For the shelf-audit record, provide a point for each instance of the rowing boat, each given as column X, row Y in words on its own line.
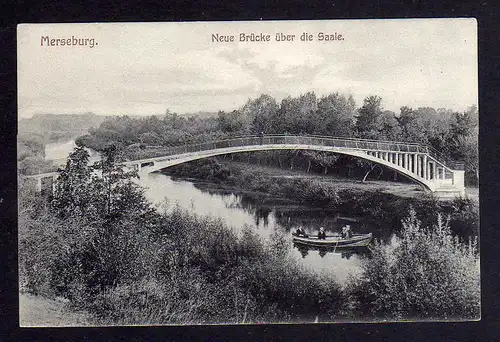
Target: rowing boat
column 357, row 240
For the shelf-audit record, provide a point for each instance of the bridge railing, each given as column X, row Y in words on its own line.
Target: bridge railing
column 351, row 143
column 362, row 144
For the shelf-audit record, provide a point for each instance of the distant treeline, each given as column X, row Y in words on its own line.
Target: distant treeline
column 453, row 133
column 54, row 127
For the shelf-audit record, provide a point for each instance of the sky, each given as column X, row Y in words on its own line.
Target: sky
column 147, row 68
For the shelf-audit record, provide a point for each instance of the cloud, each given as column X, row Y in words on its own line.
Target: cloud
column 159, row 66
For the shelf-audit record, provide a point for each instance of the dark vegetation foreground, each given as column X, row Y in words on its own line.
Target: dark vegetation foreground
column 98, row 243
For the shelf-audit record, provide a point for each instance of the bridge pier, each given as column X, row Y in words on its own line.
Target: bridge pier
column 38, row 185
column 426, row 167
column 418, row 166
column 54, row 178
column 39, row 180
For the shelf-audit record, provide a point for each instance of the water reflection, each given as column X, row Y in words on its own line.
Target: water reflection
column 345, row 253
column 288, row 214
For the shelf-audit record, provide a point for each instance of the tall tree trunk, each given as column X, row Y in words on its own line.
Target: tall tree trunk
column 380, row 174
column 325, row 171
column 309, row 166
column 367, row 173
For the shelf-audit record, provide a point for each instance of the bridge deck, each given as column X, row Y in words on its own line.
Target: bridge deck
column 420, row 162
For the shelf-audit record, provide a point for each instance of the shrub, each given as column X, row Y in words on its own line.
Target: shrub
column 425, row 274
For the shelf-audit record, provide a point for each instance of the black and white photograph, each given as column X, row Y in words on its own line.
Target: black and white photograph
column 251, row 172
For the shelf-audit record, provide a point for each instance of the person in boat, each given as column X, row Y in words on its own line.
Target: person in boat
column 346, row 232
column 321, row 233
column 301, row 232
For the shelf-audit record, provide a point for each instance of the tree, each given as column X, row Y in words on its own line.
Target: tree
column 232, row 122
column 335, row 115
column 259, row 113
column 368, row 118
column 463, row 126
column 297, row 115
column 464, row 142
column 73, row 194
column 324, row 159
column 388, row 127
column 102, row 190
column 105, row 212
column 368, row 166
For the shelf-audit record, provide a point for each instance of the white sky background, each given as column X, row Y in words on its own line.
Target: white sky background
column 144, row 69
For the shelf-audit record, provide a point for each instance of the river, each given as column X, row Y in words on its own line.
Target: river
column 58, row 152
column 237, row 210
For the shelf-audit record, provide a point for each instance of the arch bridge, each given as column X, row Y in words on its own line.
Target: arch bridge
column 421, row 163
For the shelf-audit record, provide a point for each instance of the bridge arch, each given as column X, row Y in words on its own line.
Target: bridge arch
column 419, row 163
column 188, row 157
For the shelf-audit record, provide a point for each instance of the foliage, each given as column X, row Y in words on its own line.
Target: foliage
column 335, row 115
column 383, row 209
column 260, row 114
column 426, row 273
column 368, row 119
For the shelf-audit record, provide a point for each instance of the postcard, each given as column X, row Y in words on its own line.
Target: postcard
column 249, row 172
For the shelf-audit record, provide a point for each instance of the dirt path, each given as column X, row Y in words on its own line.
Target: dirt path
column 35, row 311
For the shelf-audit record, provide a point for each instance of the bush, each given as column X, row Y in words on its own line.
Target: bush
column 425, row 274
